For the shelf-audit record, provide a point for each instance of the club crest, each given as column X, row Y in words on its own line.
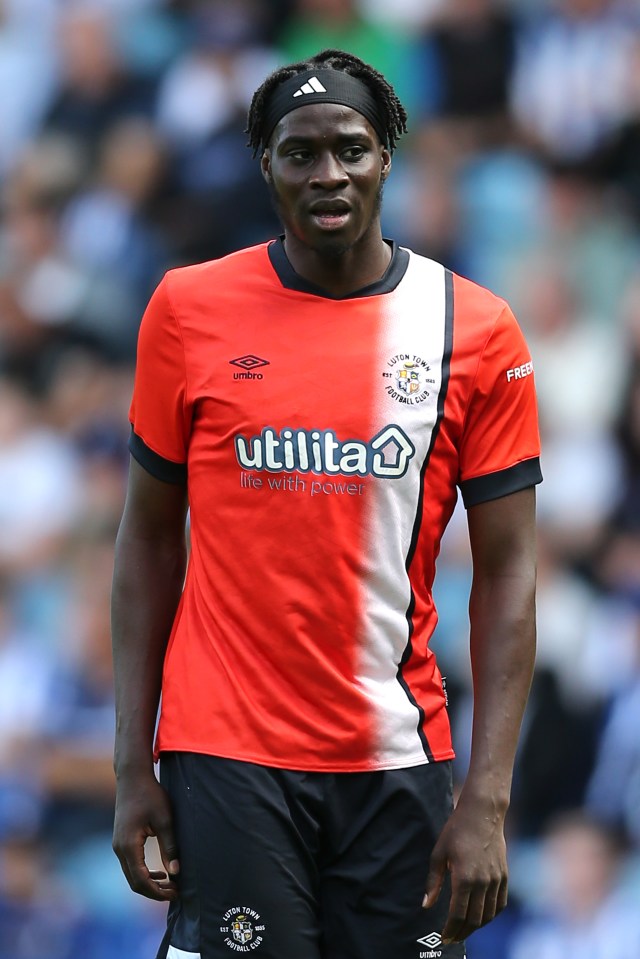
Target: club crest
column 241, row 929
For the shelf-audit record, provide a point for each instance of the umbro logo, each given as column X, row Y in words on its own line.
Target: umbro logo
column 248, row 363
column 312, row 85
column 432, row 940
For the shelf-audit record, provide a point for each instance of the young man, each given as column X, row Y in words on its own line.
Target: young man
column 316, row 401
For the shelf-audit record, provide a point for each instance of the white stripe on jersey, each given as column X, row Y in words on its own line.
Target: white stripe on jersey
column 181, row 954
column 414, row 326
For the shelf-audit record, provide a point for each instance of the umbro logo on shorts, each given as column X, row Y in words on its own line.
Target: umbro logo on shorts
column 312, row 85
column 432, row 940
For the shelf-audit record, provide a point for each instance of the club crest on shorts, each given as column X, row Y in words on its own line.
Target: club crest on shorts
column 242, row 929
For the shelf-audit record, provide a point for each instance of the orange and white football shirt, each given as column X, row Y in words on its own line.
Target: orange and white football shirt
column 322, row 440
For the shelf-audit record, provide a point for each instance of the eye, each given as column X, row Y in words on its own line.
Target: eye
column 354, row 153
column 300, row 155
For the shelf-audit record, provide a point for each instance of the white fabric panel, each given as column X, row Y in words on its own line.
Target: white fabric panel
column 414, row 324
column 181, row 954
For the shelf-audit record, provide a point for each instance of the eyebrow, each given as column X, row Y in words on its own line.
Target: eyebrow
column 361, row 134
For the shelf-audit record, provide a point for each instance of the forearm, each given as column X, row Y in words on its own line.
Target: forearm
column 502, row 614
column 148, row 580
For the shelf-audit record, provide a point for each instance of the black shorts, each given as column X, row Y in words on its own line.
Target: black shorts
column 298, row 865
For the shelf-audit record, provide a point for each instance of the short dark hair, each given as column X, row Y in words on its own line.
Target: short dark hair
column 392, row 111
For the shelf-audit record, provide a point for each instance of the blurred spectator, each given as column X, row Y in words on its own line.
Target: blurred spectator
column 87, row 403
column 107, row 227
column 47, row 298
column 122, row 153
column 616, row 565
column 213, row 81
column 96, row 89
column 545, row 782
column 201, row 110
column 406, row 14
column 571, row 349
column 474, row 48
column 585, row 909
column 77, row 770
column 424, row 208
column 614, row 790
column 27, row 675
column 593, row 237
column 319, row 24
column 36, row 917
column 46, row 915
column 40, row 488
column 27, row 71
column 621, row 163
column 567, row 98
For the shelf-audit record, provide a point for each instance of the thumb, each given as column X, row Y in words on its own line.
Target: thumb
column 435, row 879
column 168, row 848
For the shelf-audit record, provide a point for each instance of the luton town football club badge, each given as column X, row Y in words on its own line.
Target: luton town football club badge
column 242, row 929
column 410, row 378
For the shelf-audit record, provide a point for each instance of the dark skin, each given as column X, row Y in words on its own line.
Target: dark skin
column 149, row 572
column 502, row 616
column 328, row 159
column 325, row 165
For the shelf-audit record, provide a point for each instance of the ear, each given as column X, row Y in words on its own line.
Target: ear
column 385, row 159
column 265, row 165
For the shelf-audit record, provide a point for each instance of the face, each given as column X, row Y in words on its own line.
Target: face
column 325, row 167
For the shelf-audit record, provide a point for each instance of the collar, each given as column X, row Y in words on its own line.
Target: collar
column 293, row 281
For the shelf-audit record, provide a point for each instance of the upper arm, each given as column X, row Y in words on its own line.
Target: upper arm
column 502, row 535
column 154, row 509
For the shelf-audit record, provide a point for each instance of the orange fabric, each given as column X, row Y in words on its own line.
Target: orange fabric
column 302, row 638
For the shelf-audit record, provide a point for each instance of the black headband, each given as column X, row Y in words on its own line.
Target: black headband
column 323, row 85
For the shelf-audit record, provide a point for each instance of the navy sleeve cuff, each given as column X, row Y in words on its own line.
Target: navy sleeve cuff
column 163, row 469
column 481, row 489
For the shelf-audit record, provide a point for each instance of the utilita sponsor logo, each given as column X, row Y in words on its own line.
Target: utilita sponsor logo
column 387, row 455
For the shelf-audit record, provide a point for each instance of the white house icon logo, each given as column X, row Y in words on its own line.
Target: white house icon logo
column 432, row 940
column 313, row 85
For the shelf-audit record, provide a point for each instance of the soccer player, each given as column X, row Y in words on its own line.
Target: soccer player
column 316, row 401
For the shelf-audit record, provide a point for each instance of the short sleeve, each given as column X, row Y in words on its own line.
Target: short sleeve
column 500, row 444
column 160, row 414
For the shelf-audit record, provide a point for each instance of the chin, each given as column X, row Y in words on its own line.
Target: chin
column 332, row 247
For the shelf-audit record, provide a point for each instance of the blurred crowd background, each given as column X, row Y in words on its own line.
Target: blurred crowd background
column 122, row 154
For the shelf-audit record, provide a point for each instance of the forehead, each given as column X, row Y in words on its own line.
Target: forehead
column 320, row 120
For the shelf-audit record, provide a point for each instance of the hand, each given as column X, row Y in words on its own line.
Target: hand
column 472, row 847
column 142, row 810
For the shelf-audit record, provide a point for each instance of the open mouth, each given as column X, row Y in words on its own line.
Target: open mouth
column 330, row 217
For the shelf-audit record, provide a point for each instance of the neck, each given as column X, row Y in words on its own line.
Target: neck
column 340, row 271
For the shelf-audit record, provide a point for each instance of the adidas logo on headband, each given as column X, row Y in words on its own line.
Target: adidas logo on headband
column 335, row 86
column 313, row 85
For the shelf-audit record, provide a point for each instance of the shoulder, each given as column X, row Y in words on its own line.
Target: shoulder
column 476, row 305
column 200, row 277
column 473, row 307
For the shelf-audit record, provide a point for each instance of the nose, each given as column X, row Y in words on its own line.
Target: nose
column 328, row 172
